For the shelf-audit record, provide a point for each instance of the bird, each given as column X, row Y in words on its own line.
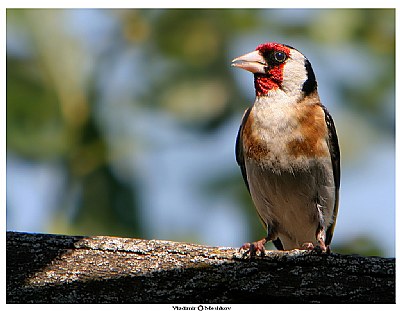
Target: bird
column 288, row 152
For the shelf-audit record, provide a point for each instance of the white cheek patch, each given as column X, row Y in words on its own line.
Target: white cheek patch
column 294, row 74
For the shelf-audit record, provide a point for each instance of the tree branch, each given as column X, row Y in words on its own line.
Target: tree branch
column 43, row 268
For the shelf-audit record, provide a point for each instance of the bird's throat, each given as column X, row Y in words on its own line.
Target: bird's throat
column 272, row 80
column 264, row 84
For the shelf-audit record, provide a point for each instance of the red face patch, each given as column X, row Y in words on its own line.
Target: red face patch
column 273, row 77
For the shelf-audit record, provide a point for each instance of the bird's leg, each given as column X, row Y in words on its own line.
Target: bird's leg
column 321, row 240
column 253, row 248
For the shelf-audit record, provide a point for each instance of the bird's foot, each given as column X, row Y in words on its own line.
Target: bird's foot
column 252, row 249
column 319, row 248
column 308, row 246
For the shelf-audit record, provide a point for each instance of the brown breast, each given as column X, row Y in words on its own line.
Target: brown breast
column 309, row 136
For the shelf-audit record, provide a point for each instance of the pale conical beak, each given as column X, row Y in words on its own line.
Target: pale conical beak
column 253, row 62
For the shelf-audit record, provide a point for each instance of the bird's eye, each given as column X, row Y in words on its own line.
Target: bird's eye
column 279, row 56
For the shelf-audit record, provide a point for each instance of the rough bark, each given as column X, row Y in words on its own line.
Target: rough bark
column 43, row 268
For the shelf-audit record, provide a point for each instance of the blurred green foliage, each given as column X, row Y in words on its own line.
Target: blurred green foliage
column 360, row 245
column 54, row 78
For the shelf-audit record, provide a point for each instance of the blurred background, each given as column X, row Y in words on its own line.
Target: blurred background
column 123, row 122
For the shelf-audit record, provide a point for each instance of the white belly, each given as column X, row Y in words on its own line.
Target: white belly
column 294, row 203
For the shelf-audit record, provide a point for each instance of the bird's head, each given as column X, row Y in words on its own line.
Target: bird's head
column 278, row 68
